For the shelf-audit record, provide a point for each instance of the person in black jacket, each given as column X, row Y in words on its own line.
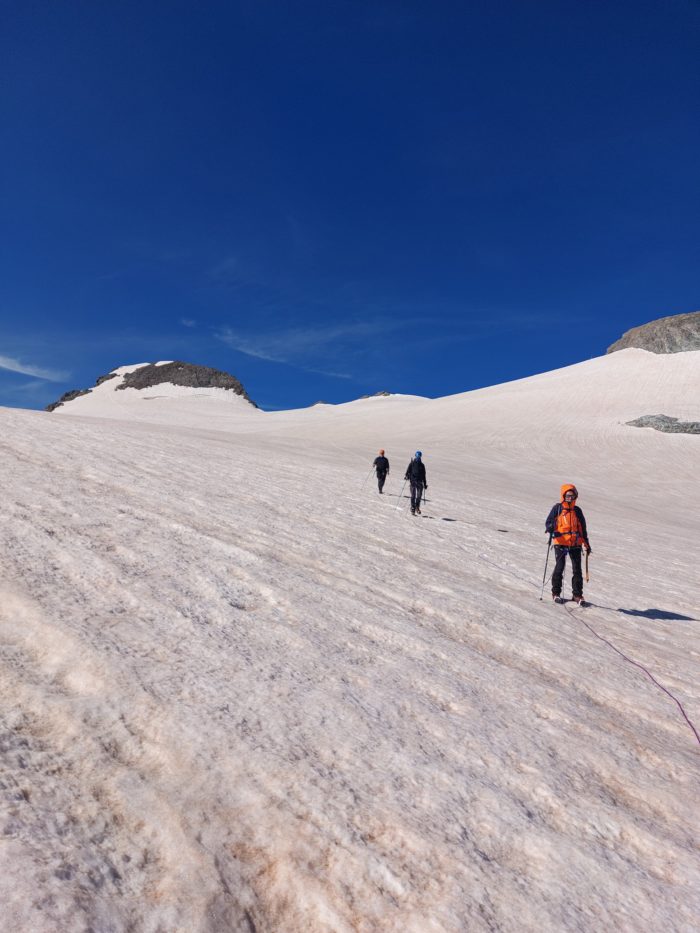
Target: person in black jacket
column 415, row 474
column 381, row 466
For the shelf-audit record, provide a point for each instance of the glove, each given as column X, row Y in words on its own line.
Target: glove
column 426, row 485
column 588, row 550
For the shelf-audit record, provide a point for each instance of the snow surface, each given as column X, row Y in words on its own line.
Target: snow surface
column 239, row 690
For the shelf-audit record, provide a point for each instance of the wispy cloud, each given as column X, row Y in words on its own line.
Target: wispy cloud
column 326, row 372
column 300, row 346
column 286, row 346
column 28, row 369
column 35, row 385
column 188, row 322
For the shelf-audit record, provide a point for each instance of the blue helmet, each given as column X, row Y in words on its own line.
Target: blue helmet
column 419, row 454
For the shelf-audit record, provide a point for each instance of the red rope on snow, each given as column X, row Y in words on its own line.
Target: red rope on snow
column 642, row 668
column 605, row 640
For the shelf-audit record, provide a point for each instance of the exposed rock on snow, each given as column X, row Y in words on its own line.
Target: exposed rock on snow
column 667, row 424
column 150, row 375
column 76, row 393
column 182, row 374
column 67, row 397
column 169, row 392
column 675, row 334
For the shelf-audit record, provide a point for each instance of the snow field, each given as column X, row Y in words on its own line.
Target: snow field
column 241, row 692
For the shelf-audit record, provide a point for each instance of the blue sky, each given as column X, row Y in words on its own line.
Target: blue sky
column 328, row 199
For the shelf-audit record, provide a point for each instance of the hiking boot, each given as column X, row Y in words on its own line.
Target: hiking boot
column 579, row 600
column 413, row 511
column 557, row 598
column 419, row 511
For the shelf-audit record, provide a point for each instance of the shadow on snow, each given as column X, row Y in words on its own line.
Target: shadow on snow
column 656, row 614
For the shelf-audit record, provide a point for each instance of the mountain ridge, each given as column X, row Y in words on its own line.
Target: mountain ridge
column 677, row 333
column 171, row 372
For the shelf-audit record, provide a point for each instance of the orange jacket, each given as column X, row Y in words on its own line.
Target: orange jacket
column 566, row 521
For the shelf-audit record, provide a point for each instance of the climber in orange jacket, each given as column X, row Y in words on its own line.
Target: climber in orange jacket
column 567, row 526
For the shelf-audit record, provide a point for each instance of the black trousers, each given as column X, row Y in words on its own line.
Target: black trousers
column 577, row 576
column 381, row 479
column 416, row 493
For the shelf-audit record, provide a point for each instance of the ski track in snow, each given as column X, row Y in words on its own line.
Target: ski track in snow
column 240, row 692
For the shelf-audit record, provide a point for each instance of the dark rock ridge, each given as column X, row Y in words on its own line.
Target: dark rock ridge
column 67, row 397
column 667, row 424
column 76, row 393
column 101, row 379
column 176, row 373
column 674, row 334
column 381, row 394
column 183, row 374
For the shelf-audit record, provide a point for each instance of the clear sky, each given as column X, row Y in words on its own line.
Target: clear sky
column 330, row 198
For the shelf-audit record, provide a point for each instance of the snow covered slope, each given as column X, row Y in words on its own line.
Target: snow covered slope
column 161, row 402
column 239, row 690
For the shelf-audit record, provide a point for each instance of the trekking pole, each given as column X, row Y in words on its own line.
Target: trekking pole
column 401, row 495
column 544, row 575
column 368, row 476
column 587, row 576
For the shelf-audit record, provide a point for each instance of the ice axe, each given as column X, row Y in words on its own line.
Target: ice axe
column 398, row 507
column 544, row 575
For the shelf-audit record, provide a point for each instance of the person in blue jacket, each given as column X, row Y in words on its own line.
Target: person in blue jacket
column 415, row 474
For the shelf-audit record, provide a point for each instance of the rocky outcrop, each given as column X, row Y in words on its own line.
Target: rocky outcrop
column 183, row 374
column 76, row 393
column 175, row 373
column 67, row 397
column 674, row 334
column 383, row 394
column 101, row 379
column 667, row 424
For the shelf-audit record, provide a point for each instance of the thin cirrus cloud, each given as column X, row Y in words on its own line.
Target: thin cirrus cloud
column 298, row 346
column 27, row 391
column 27, row 369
